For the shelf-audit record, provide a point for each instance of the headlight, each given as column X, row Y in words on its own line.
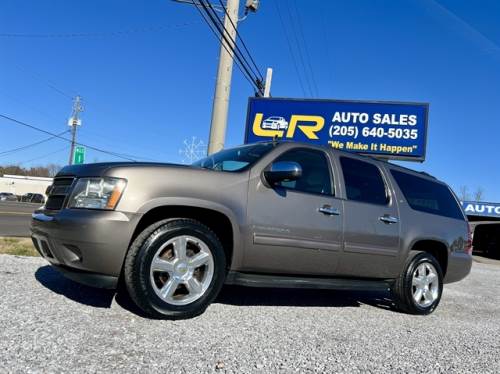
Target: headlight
column 97, row 193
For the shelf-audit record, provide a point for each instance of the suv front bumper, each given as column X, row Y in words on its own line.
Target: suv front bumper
column 88, row 246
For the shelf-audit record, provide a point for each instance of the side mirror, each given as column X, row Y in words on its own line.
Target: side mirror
column 282, row 171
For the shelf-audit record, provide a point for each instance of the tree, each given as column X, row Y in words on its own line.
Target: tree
column 53, row 169
column 464, row 193
column 479, row 194
column 35, row 171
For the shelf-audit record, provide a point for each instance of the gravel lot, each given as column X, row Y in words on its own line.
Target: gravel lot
column 50, row 324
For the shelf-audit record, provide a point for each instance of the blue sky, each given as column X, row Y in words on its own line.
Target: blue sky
column 146, row 91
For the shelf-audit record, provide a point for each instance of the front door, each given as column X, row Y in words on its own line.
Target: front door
column 295, row 227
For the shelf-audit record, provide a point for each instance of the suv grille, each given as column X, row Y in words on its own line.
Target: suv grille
column 57, row 193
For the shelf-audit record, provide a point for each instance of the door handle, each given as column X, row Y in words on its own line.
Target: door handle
column 328, row 210
column 386, row 218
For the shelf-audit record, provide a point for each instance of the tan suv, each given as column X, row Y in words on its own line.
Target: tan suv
column 265, row 215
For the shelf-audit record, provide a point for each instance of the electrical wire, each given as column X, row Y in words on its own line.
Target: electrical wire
column 98, row 34
column 47, row 82
column 14, row 150
column 217, row 22
column 328, row 52
column 43, row 156
column 307, row 54
column 68, row 140
column 219, row 38
column 238, row 35
column 294, row 60
column 299, row 49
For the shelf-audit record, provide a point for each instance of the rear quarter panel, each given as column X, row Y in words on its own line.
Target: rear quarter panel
column 417, row 226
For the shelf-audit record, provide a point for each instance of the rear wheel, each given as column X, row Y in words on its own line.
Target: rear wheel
column 175, row 268
column 419, row 288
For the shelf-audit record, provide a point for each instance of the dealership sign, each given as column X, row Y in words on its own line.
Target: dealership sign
column 475, row 208
column 386, row 129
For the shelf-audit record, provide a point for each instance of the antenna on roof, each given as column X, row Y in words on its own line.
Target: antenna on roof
column 275, row 140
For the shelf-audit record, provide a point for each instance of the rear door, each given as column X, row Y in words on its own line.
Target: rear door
column 296, row 227
column 371, row 221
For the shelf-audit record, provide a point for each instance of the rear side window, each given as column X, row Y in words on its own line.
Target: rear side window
column 427, row 196
column 363, row 182
column 315, row 171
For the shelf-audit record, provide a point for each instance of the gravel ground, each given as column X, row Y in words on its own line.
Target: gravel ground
column 50, row 324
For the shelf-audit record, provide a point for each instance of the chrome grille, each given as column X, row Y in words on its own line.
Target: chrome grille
column 58, row 192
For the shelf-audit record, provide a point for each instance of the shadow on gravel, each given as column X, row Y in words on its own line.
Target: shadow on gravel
column 235, row 295
column 56, row 282
column 230, row 295
column 95, row 297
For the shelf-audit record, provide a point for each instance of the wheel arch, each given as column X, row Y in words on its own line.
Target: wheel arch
column 436, row 248
column 220, row 220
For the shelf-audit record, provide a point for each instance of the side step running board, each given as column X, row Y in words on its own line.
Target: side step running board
column 280, row 281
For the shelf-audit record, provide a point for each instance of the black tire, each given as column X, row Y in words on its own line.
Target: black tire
column 403, row 288
column 139, row 259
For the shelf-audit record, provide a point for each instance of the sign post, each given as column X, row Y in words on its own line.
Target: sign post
column 390, row 130
column 79, row 155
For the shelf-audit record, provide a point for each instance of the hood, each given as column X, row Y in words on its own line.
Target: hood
column 99, row 169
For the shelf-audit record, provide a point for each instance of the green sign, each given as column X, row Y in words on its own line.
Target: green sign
column 79, row 155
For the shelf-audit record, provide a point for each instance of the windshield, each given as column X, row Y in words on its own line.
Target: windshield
column 235, row 159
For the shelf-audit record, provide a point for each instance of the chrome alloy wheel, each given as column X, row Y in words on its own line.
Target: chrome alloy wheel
column 425, row 285
column 181, row 270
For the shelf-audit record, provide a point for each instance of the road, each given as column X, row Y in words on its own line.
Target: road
column 50, row 324
column 15, row 218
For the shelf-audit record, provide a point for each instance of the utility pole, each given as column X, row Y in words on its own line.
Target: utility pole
column 220, row 106
column 73, row 122
column 223, row 84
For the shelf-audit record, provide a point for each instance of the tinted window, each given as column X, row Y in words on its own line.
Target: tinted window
column 315, row 171
column 363, row 181
column 235, row 159
column 427, row 196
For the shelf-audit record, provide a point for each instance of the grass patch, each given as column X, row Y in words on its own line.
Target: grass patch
column 17, row 246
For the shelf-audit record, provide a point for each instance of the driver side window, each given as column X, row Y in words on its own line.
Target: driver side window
column 315, row 171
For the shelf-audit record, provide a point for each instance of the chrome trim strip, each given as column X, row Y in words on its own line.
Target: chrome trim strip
column 296, row 243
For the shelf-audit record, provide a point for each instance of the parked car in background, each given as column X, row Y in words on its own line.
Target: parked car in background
column 26, row 197
column 274, row 214
column 37, row 198
column 33, row 198
column 7, row 196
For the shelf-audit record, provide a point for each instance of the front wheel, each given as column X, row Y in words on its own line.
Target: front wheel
column 419, row 288
column 175, row 268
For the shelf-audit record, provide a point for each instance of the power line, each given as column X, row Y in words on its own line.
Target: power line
column 308, row 56
column 295, row 65
column 47, row 82
column 98, row 34
column 328, row 53
column 13, row 150
column 219, row 38
column 241, row 39
column 43, row 156
column 68, row 140
column 215, row 32
column 217, row 22
column 299, row 49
